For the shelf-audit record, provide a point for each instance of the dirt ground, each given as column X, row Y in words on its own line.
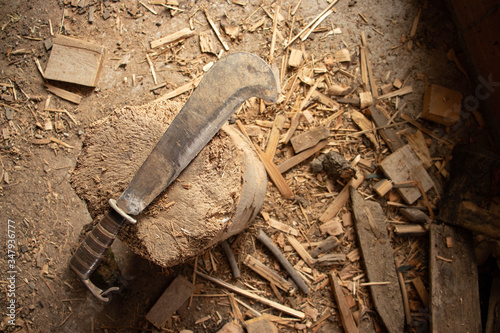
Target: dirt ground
column 36, row 195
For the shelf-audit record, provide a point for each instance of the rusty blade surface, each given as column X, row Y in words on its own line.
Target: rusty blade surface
column 232, row 80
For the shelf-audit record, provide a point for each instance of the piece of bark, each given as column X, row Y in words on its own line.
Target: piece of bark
column 309, row 138
column 261, row 236
column 74, row 61
column 277, row 306
column 379, row 262
column 454, row 281
column 171, row 300
column 326, row 245
column 207, row 43
column 336, row 90
column 345, row 313
column 403, row 165
column 299, row 158
column 389, row 135
column 335, row 166
column 174, row 37
column 267, row 273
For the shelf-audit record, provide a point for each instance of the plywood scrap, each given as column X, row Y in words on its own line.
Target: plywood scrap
column 246, row 293
column 74, row 61
column 64, row 94
column 174, row 37
column 345, row 312
column 402, row 166
column 441, row 105
column 379, row 262
column 454, row 283
column 267, row 273
column 309, row 138
column 170, row 301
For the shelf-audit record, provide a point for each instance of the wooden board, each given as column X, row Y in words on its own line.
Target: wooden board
column 403, row 165
column 454, row 286
column 74, row 61
column 389, row 135
column 379, row 261
column 170, row 301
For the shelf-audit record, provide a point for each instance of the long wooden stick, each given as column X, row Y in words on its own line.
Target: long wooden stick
column 261, row 236
column 248, row 294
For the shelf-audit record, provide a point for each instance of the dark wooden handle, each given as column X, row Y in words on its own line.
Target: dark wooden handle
column 95, row 245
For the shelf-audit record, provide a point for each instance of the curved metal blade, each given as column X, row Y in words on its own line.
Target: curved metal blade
column 232, row 80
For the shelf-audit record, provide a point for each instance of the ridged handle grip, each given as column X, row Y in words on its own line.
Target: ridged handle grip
column 93, row 249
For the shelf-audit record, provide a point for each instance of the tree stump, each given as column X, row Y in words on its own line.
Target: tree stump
column 215, row 197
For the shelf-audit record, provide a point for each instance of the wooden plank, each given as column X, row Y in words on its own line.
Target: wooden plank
column 345, row 313
column 309, row 138
column 277, row 306
column 67, row 95
column 178, row 35
column 379, row 262
column 74, row 61
column 171, row 300
column 402, row 166
column 336, row 205
column 267, row 273
column 454, row 286
column 389, row 135
column 299, row 158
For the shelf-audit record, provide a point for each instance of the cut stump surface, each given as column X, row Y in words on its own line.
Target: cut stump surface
column 215, row 197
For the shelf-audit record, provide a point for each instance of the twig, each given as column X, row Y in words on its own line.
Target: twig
column 232, row 260
column 261, row 236
column 217, row 33
column 275, row 30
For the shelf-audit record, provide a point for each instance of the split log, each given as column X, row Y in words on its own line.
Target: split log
column 379, row 261
column 215, row 197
